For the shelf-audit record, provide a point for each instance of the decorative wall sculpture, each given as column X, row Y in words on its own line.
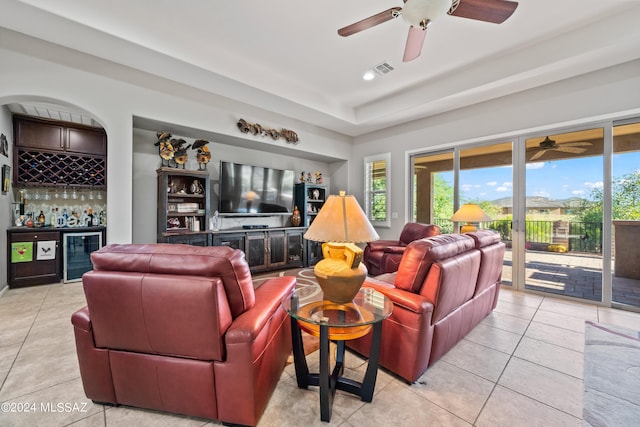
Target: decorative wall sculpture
column 256, row 129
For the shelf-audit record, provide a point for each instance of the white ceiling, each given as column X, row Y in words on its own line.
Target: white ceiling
column 286, row 55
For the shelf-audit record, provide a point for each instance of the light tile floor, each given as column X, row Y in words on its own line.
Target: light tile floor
column 521, row 366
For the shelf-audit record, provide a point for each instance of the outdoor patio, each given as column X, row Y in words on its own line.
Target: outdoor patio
column 571, row 275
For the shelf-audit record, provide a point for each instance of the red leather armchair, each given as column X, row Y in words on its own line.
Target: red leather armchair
column 445, row 285
column 179, row 328
column 383, row 256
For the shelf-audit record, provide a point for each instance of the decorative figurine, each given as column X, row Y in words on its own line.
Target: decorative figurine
column 165, row 148
column 316, row 194
column 180, row 155
column 309, row 179
column 196, row 187
column 302, row 176
column 214, row 222
column 203, row 156
column 318, row 177
column 296, row 219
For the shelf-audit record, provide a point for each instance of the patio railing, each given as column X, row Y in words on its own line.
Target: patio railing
column 562, row 236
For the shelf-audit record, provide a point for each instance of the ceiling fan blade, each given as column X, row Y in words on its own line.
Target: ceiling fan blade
column 495, row 11
column 415, row 40
column 537, row 155
column 564, row 148
column 369, row 22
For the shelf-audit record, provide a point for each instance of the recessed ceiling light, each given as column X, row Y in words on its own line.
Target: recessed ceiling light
column 368, row 75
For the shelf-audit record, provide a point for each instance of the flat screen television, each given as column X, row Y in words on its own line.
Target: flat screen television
column 255, row 190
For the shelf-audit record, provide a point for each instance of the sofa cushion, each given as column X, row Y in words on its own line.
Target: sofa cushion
column 484, row 238
column 421, row 254
column 212, row 261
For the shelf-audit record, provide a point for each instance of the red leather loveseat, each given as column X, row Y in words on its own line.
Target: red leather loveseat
column 179, row 328
column 445, row 285
column 383, row 256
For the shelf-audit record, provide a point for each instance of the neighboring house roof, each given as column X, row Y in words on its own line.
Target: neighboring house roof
column 541, row 202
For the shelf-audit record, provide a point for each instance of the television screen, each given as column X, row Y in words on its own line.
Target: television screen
column 253, row 190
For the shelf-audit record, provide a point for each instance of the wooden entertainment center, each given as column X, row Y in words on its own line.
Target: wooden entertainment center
column 183, row 217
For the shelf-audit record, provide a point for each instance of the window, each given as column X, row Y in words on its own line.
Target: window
column 376, row 179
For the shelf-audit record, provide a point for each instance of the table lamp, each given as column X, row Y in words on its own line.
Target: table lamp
column 340, row 223
column 469, row 213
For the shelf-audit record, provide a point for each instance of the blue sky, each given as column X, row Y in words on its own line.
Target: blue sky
column 559, row 179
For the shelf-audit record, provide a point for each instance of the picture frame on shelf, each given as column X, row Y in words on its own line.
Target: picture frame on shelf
column 4, row 145
column 6, row 178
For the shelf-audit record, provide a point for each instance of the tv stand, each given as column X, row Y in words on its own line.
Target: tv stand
column 265, row 249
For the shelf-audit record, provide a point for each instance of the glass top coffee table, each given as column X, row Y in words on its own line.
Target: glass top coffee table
column 331, row 321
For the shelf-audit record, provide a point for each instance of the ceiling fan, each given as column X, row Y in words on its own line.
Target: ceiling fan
column 420, row 13
column 550, row 145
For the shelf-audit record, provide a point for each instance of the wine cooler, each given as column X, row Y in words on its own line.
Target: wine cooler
column 77, row 248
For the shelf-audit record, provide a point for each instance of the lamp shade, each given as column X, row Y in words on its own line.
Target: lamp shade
column 470, row 213
column 341, row 220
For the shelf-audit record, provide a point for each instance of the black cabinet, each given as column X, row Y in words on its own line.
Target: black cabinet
column 194, row 239
column 33, row 257
column 235, row 241
column 310, row 198
column 295, row 248
column 266, row 249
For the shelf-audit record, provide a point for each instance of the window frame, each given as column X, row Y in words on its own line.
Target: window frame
column 368, row 192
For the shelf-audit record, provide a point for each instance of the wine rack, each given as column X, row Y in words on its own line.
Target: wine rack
column 38, row 167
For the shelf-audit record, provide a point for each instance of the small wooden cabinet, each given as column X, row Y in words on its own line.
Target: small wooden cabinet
column 183, row 206
column 26, row 267
column 310, row 198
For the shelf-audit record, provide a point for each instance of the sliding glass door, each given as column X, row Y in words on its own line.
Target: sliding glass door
column 433, row 186
column 563, row 214
column 625, row 210
column 567, row 204
column 486, row 179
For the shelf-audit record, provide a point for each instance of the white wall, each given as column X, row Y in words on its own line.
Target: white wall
column 35, row 70
column 609, row 93
column 6, row 214
column 146, row 160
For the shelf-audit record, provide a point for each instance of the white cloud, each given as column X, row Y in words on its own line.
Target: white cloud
column 592, row 185
column 492, row 184
column 535, row 165
column 541, row 193
column 502, row 189
column 507, row 184
column 578, row 193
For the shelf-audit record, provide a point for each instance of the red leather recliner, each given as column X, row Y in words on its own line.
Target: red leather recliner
column 445, row 285
column 383, row 256
column 179, row 328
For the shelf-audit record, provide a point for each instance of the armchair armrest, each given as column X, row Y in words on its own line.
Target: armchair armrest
column 395, row 249
column 246, row 327
column 401, row 298
column 81, row 320
column 379, row 245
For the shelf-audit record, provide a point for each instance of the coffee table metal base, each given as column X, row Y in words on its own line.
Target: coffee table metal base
column 330, row 382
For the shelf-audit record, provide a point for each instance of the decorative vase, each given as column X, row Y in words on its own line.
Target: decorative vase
column 296, row 219
column 340, row 273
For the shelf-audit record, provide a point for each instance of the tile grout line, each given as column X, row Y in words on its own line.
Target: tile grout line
column 511, row 356
column 25, row 339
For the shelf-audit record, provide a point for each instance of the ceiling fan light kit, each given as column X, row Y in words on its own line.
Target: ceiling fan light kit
column 423, row 12
column 420, row 13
